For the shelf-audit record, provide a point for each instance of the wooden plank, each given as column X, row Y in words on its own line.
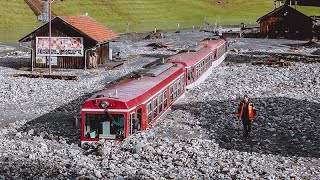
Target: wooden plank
column 61, row 77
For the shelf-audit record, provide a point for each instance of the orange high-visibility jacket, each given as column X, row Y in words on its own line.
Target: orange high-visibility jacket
column 251, row 108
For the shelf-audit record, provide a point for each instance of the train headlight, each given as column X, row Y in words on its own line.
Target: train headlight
column 104, row 104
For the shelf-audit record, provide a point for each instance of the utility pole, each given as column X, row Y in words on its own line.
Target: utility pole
column 50, row 36
column 220, row 2
column 220, row 26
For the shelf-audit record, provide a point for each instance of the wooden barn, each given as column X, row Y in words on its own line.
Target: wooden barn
column 77, row 42
column 286, row 22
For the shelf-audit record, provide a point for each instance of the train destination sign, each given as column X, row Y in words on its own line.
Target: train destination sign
column 60, row 46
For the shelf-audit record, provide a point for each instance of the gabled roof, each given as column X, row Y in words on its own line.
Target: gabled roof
column 315, row 3
column 84, row 25
column 281, row 9
column 90, row 27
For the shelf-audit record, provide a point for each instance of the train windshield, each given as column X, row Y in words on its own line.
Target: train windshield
column 109, row 126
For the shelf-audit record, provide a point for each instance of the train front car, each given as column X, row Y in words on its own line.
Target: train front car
column 199, row 60
column 126, row 108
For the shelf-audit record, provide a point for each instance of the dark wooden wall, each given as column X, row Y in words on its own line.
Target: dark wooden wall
column 289, row 25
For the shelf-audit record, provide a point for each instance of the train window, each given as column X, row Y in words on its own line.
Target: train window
column 155, row 108
column 197, row 71
column 104, row 126
column 209, row 61
column 175, row 89
column 182, row 83
column 171, row 93
column 179, row 86
column 202, row 67
column 132, row 123
column 220, row 51
column 139, row 119
column 160, row 100
column 165, row 99
column 149, row 112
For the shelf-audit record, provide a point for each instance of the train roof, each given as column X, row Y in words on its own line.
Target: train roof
column 212, row 42
column 136, row 89
column 194, row 54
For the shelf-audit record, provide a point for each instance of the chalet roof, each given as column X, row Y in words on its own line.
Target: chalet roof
column 90, row 27
column 85, row 25
column 281, row 10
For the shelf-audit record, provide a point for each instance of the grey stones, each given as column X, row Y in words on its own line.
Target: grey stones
column 199, row 139
column 271, row 129
column 97, row 173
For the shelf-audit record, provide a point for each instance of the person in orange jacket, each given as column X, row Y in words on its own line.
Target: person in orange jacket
column 246, row 113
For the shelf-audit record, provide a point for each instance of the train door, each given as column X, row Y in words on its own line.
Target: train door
column 190, row 76
column 135, row 119
column 215, row 57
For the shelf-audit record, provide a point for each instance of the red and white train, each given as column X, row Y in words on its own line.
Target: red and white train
column 132, row 106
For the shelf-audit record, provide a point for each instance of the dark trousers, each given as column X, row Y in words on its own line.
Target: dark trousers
column 246, row 127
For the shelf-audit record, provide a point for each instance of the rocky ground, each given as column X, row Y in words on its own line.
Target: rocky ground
column 199, row 139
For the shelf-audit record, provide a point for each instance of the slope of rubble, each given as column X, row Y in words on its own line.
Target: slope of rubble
column 200, row 138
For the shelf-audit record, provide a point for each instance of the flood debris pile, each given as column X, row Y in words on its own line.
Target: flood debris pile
column 316, row 52
column 159, row 45
column 61, row 77
column 199, row 139
column 157, row 34
column 274, row 63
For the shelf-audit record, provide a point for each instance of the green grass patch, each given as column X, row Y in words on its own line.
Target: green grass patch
column 16, row 13
column 146, row 14
column 17, row 19
column 25, row 69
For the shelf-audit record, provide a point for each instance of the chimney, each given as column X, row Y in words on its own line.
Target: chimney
column 290, row 3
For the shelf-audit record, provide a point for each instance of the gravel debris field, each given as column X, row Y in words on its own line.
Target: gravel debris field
column 200, row 138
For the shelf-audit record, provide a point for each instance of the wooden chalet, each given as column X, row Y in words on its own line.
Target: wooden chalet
column 286, row 22
column 78, row 42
